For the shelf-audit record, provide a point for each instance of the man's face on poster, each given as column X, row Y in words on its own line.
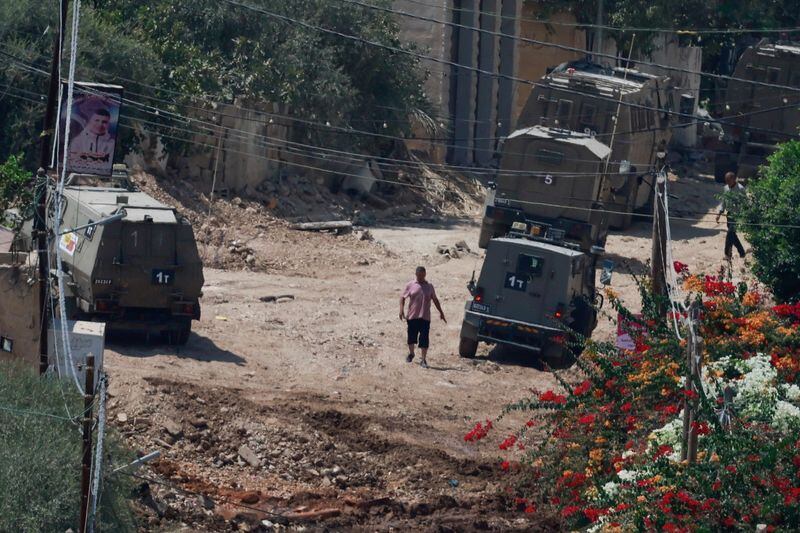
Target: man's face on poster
column 98, row 124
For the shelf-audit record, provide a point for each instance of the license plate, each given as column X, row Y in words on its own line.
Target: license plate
column 479, row 307
column 162, row 276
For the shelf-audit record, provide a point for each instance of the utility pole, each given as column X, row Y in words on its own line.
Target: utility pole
column 86, row 460
column 659, row 251
column 694, row 354
column 39, row 234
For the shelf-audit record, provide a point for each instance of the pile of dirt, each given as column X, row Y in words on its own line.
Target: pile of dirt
column 252, row 231
column 231, row 464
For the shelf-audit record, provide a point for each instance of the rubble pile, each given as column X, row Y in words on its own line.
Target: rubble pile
column 454, row 252
column 291, row 464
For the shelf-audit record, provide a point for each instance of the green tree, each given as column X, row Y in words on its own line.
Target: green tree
column 210, row 48
column 187, row 53
column 15, row 191
column 687, row 14
column 772, row 222
column 26, row 43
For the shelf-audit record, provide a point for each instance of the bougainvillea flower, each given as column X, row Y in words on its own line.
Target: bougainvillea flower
column 551, row 396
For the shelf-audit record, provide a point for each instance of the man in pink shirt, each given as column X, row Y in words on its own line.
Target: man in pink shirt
column 420, row 294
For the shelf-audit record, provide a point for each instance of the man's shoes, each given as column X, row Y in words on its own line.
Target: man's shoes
column 423, row 364
column 409, row 357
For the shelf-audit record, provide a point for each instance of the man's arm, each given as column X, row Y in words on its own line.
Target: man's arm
column 402, row 307
column 438, row 307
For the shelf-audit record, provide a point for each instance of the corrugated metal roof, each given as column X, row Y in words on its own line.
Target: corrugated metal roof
column 569, row 137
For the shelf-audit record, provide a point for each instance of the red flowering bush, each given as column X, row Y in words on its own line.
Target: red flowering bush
column 611, row 456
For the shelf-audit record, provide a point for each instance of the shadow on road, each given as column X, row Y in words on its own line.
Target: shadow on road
column 445, row 368
column 198, row 348
column 508, row 355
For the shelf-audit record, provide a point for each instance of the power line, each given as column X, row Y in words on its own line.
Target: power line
column 310, row 26
column 687, row 31
column 542, row 204
column 433, row 141
column 27, row 412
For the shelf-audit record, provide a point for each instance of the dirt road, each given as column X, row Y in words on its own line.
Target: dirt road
column 316, row 388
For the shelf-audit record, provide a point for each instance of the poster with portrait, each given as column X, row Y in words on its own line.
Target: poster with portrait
column 94, row 125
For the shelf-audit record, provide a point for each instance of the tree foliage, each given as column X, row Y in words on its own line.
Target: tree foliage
column 189, row 53
column 15, row 191
column 688, row 14
column 773, row 222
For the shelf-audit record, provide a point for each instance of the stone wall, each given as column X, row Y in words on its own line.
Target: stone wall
column 248, row 148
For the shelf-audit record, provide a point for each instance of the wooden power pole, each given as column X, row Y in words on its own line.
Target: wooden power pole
column 659, row 251
column 86, row 459
column 39, row 234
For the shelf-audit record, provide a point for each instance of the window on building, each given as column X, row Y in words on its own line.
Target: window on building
column 773, row 74
column 550, row 157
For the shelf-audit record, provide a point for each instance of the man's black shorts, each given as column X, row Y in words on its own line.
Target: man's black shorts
column 419, row 328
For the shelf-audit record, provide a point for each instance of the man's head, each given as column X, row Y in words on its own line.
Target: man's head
column 730, row 179
column 98, row 124
column 420, row 272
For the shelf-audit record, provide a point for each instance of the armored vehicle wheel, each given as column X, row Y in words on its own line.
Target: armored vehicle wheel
column 183, row 335
column 467, row 347
column 180, row 335
column 558, row 356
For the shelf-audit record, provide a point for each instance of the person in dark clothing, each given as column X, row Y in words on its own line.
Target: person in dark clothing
column 731, row 238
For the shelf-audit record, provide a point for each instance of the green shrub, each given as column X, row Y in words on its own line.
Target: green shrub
column 773, row 201
column 40, row 459
column 15, row 191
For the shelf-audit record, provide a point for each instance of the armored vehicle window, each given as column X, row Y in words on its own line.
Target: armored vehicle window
column 549, row 156
column 773, row 74
column 564, row 112
column 758, row 73
column 529, row 265
column 587, row 116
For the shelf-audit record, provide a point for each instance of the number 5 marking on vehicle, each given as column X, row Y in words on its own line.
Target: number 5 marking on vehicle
column 548, row 180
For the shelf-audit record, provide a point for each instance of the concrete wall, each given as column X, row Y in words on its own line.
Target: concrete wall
column 19, row 308
column 668, row 51
column 434, row 39
column 248, row 148
column 533, row 59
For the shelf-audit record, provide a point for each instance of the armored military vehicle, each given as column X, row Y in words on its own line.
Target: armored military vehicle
column 586, row 97
column 538, row 278
column 756, row 118
column 542, row 170
column 138, row 269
